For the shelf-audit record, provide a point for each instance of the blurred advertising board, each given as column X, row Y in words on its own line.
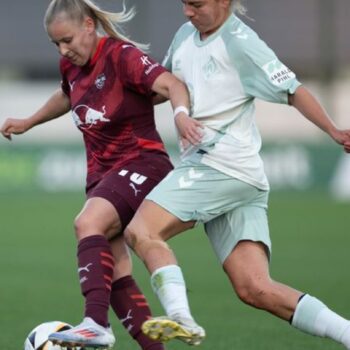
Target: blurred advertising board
column 289, row 167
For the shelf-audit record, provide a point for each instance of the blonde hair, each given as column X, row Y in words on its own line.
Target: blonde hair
column 238, row 7
column 78, row 10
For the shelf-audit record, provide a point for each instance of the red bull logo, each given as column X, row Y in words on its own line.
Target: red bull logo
column 86, row 117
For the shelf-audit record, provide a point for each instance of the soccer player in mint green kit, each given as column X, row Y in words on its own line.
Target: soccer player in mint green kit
column 221, row 180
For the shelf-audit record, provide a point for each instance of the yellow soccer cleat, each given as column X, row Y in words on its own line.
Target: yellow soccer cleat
column 166, row 328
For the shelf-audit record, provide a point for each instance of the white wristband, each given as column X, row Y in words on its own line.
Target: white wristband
column 180, row 109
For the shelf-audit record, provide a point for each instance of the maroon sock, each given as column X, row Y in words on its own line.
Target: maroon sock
column 96, row 266
column 131, row 307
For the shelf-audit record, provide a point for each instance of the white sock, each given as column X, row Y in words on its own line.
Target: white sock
column 314, row 317
column 169, row 285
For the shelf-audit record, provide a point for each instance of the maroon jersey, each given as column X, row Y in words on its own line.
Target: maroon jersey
column 111, row 102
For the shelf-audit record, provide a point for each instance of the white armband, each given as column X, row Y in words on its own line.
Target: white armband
column 180, row 109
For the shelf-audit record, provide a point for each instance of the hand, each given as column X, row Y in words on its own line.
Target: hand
column 342, row 137
column 347, row 146
column 14, row 126
column 190, row 129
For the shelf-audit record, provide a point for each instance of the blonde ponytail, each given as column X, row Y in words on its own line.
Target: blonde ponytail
column 238, row 7
column 79, row 9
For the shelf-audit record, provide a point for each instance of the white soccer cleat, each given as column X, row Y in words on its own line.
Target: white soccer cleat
column 176, row 327
column 86, row 334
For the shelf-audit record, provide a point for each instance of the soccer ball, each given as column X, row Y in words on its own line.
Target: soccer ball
column 38, row 338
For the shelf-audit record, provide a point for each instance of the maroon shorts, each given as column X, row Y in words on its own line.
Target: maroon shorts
column 126, row 187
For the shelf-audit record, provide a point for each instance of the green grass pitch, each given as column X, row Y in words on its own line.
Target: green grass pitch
column 311, row 242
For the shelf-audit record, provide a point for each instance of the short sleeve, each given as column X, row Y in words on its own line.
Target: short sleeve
column 262, row 74
column 138, row 71
column 180, row 36
column 167, row 61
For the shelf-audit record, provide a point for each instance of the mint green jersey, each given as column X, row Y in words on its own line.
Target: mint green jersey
column 224, row 74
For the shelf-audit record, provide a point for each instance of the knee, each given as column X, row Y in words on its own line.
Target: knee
column 133, row 237
column 141, row 240
column 253, row 293
column 82, row 225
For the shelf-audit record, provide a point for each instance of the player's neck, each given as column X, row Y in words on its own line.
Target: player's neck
column 204, row 35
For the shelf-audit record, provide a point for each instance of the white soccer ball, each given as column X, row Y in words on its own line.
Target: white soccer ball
column 38, row 338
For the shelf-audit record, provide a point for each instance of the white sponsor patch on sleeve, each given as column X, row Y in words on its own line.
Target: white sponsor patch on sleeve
column 277, row 72
column 151, row 67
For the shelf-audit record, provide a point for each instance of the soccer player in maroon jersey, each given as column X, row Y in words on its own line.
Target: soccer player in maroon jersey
column 108, row 84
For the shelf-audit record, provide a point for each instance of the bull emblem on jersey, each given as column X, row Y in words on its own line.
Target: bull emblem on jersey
column 86, row 117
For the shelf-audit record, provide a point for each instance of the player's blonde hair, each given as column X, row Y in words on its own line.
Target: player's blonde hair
column 78, row 10
column 238, row 7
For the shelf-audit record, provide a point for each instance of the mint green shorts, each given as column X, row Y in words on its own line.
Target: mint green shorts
column 231, row 210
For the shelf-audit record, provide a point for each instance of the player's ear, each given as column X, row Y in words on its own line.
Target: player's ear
column 89, row 24
column 226, row 3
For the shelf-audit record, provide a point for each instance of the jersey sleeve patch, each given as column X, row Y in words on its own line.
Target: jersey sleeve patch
column 277, row 72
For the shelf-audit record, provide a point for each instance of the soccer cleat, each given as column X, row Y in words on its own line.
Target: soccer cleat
column 86, row 334
column 176, row 327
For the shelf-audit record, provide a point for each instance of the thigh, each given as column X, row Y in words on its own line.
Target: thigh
column 153, row 221
column 247, row 264
column 98, row 216
column 245, row 223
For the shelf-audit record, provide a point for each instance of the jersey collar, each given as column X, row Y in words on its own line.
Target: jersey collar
column 199, row 42
column 100, row 45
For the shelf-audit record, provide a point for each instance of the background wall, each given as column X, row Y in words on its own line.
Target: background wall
column 312, row 35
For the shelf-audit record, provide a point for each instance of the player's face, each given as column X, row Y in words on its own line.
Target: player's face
column 76, row 41
column 206, row 15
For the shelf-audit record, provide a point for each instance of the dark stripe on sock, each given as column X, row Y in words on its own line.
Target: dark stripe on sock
column 291, row 318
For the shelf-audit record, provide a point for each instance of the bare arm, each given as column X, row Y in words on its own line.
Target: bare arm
column 57, row 105
column 168, row 86
column 308, row 106
column 158, row 99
